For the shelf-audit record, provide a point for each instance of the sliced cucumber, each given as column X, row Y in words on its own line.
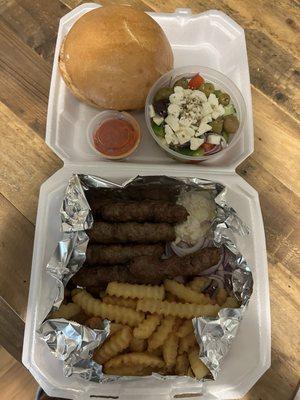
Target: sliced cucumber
column 188, row 152
column 229, row 110
column 158, row 129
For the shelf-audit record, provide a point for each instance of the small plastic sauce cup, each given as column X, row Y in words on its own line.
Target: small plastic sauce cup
column 113, row 134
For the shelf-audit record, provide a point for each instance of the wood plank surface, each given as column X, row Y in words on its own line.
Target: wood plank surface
column 16, row 383
column 27, row 39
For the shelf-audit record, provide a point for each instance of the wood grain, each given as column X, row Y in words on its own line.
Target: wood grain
column 35, row 25
column 16, row 383
column 24, row 80
column 26, row 162
column 27, row 39
column 16, row 240
column 12, row 338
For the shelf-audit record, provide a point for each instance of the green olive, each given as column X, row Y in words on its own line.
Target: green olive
column 163, row 93
column 207, row 88
column 217, row 125
column 224, row 99
column 217, row 93
column 225, row 136
column 231, row 124
column 183, row 82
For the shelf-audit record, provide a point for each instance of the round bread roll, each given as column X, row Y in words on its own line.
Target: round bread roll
column 113, row 55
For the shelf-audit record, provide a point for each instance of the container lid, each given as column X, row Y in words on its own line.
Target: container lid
column 210, row 39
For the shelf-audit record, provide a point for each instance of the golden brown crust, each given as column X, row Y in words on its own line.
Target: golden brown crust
column 113, row 55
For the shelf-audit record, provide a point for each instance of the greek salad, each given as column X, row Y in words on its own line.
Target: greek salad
column 193, row 117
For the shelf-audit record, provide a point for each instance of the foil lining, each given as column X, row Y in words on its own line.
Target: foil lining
column 74, row 343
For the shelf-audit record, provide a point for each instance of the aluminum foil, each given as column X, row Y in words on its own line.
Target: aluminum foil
column 74, row 343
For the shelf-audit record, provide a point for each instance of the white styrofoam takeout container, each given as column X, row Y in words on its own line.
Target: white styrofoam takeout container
column 219, row 42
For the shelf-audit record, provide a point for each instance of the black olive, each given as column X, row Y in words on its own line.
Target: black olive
column 161, row 107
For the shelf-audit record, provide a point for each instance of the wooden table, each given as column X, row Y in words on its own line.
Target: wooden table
column 27, row 39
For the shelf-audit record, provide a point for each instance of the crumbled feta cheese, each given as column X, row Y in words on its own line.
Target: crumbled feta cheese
column 218, row 111
column 174, row 109
column 196, row 143
column 213, row 100
column 184, row 121
column 157, row 119
column 169, row 130
column 151, row 111
column 197, row 94
column 202, row 129
column 206, row 109
column 182, row 137
column 214, row 139
column 206, row 119
column 179, row 90
column 189, row 131
column 170, row 136
column 173, row 122
column 175, row 98
column 221, row 109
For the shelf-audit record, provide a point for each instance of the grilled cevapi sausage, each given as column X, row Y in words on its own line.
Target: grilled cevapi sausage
column 145, row 211
column 103, row 232
column 148, row 269
column 120, row 254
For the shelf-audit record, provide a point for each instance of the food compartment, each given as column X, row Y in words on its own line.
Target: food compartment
column 249, row 355
column 218, row 41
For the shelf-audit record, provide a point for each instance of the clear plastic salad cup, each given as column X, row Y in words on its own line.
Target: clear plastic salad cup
column 220, row 82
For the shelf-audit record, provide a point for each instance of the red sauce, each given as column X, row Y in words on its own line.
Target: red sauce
column 115, row 138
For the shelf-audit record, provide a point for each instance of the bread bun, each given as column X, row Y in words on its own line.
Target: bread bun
column 113, row 55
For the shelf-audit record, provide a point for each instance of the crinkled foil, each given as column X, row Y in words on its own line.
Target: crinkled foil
column 74, row 343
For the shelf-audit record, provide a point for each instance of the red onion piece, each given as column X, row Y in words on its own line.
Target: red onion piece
column 184, row 251
column 210, row 270
column 219, row 280
column 216, row 149
column 180, row 279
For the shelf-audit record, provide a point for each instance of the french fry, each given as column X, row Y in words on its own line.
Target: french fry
column 221, row 296
column 114, row 327
column 170, row 350
column 186, row 328
column 190, row 373
column 145, row 329
column 182, row 364
column 230, row 302
column 157, row 352
column 119, row 301
column 135, row 291
column 178, row 323
column 185, row 293
column 162, row 332
column 66, row 311
column 180, row 310
column 138, row 345
column 97, row 308
column 114, row 345
column 130, row 370
column 170, row 297
column 135, row 359
column 94, row 323
column 198, row 283
column 199, row 368
column 187, row 342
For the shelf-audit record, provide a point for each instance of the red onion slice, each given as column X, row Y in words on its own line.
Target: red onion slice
column 216, row 149
column 184, row 251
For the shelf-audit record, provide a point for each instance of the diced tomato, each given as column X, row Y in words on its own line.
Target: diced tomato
column 207, row 147
column 195, row 82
